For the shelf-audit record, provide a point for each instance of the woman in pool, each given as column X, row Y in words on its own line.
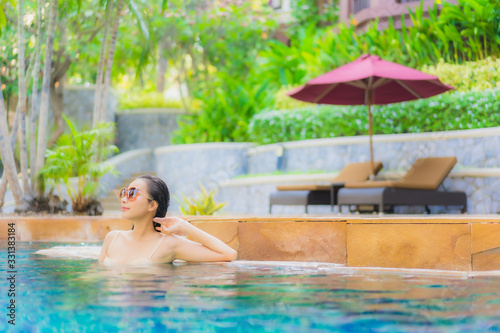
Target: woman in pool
column 145, row 203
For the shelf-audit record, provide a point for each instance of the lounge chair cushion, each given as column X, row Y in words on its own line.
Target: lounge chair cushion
column 357, row 172
column 425, row 174
column 353, row 172
column 303, row 187
column 370, row 183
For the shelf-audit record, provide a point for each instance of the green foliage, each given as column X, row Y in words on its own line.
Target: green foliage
column 473, row 27
column 445, row 112
column 147, row 100
column 449, row 36
column 78, row 154
column 8, row 62
column 223, row 52
column 283, row 65
column 472, row 75
column 307, row 12
column 222, row 42
column 3, row 17
column 202, row 204
column 225, row 113
column 285, row 102
column 203, row 37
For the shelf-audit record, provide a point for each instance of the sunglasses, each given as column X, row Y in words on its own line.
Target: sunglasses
column 131, row 193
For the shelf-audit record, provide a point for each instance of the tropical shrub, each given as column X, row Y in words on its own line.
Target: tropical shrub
column 470, row 29
column 79, row 154
column 445, row 112
column 447, row 34
column 472, row 75
column 202, row 204
column 225, row 113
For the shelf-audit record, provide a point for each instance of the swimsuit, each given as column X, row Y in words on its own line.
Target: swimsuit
column 138, row 261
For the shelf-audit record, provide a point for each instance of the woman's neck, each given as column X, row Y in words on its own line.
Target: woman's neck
column 143, row 229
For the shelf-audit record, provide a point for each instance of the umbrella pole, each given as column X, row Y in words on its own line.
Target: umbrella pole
column 370, row 132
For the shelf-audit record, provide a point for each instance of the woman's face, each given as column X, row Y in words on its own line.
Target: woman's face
column 139, row 207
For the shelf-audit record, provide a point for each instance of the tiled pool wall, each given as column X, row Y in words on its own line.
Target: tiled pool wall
column 457, row 243
column 221, row 165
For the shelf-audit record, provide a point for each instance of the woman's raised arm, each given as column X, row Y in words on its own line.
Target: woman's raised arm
column 203, row 247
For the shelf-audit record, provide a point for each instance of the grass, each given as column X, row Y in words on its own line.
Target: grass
column 281, row 173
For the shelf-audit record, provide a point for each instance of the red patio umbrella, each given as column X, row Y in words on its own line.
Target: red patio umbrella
column 369, row 80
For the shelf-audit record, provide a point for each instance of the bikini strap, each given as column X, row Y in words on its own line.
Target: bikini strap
column 157, row 244
column 113, row 241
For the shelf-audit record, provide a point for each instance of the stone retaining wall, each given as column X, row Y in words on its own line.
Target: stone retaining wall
column 184, row 167
column 216, row 165
column 79, row 105
column 473, row 148
column 145, row 128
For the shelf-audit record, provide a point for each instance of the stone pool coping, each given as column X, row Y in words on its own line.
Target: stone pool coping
column 340, row 269
column 460, row 243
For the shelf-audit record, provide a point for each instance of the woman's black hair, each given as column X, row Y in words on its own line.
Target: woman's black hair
column 158, row 190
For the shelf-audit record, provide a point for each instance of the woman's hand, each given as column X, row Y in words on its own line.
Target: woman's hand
column 172, row 225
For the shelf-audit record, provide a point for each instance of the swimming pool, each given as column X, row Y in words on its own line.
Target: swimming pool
column 79, row 295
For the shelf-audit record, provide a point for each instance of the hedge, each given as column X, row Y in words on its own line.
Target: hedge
column 445, row 112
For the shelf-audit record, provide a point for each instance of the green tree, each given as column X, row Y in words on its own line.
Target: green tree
column 107, row 54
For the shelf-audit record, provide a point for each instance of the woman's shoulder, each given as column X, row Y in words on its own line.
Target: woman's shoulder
column 110, row 235
column 167, row 244
column 168, row 240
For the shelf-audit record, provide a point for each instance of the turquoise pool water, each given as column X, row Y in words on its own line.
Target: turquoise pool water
column 79, row 295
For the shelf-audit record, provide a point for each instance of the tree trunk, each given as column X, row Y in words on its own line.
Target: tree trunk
column 8, row 159
column 182, row 70
column 57, row 103
column 194, row 64
column 109, row 62
column 34, row 97
column 13, row 136
column 100, row 69
column 162, row 71
column 14, row 129
column 22, row 97
column 57, row 79
column 44, row 107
